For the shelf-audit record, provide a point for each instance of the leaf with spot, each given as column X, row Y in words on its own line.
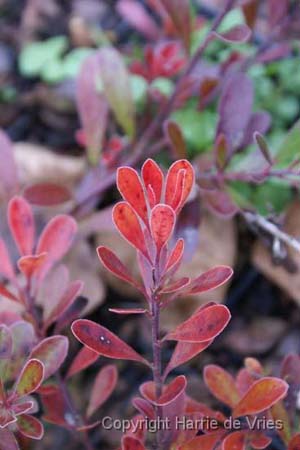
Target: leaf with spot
column 162, row 223
column 131, row 189
column 30, row 378
column 52, row 352
column 263, row 394
column 221, row 384
column 84, row 358
column 103, row 341
column 21, row 223
column 153, row 180
column 129, row 226
column 30, row 427
column 103, row 387
column 202, row 326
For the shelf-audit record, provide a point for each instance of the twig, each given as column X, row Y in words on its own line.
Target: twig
column 271, row 228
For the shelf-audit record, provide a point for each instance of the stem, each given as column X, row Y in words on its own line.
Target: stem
column 156, row 368
column 75, row 416
column 272, row 229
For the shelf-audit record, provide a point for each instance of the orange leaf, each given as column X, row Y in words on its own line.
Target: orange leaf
column 221, row 384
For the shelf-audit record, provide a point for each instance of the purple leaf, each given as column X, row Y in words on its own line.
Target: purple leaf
column 8, row 170
column 235, row 108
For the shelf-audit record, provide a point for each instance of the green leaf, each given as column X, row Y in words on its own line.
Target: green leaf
column 36, row 55
column 116, row 87
column 164, row 85
column 289, row 150
column 73, row 60
column 198, row 128
column 139, row 88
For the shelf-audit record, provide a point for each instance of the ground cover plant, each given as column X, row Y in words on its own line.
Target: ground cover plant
column 188, row 111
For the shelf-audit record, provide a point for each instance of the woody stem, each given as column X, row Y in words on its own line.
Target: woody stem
column 156, row 368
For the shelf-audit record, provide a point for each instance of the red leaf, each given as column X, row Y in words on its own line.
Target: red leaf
column 179, row 12
column 235, row 441
column 211, row 279
column 103, row 341
column 28, row 265
column 129, row 226
column 237, row 34
column 131, row 189
column 162, row 223
column 6, row 293
column 135, row 14
column 184, row 351
column 6, row 342
column 144, row 407
column 30, row 427
column 112, row 263
column 221, row 384
column 8, row 168
column 277, row 11
column 30, row 378
column 56, row 408
column 204, row 442
column 294, row 444
column 22, row 408
column 259, row 441
column 52, row 352
column 263, row 394
column 104, row 385
column 7, row 440
column 68, row 298
column 92, row 106
column 202, row 326
column 84, row 358
column 153, row 177
column 176, row 285
column 6, row 268
column 173, row 180
column 21, row 223
column 170, row 392
column 47, row 194
column 131, row 443
column 176, row 255
column 57, row 237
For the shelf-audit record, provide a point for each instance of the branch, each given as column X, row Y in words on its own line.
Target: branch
column 262, row 223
